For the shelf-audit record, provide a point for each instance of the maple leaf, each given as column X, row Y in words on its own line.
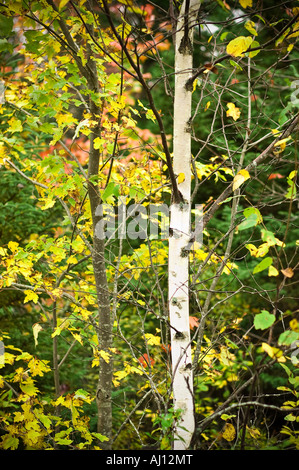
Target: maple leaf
column 29, row 388
column 145, row 360
column 105, row 355
column 152, row 340
column 30, row 295
column 15, row 125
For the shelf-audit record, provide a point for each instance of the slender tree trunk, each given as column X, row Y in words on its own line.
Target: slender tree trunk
column 180, row 231
column 104, row 323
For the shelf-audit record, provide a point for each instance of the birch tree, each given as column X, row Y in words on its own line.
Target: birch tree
column 178, row 267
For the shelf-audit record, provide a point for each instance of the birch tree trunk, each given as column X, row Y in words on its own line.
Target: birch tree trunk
column 178, row 268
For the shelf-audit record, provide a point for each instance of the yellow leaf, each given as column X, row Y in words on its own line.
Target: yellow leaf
column 294, row 325
column 229, row 432
column 245, row 3
column 78, row 338
column 254, row 432
column 259, row 252
column 98, row 143
column 13, row 246
column 152, row 340
column 233, row 111
column 30, row 295
column 272, row 271
column 250, row 26
column 3, row 251
column 65, row 119
column 295, row 32
column 48, row 202
column 207, row 105
column 262, row 250
column 239, row 179
column 282, row 144
column 56, row 332
column 38, row 367
column 29, row 388
column 15, row 125
column 238, row 46
column 36, row 329
column 72, row 260
column 273, row 352
column 105, row 355
column 62, row 4
column 181, row 177
column 119, row 375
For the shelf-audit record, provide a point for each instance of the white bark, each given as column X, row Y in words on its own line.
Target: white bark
column 178, row 269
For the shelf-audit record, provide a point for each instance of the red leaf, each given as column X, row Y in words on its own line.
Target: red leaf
column 193, row 322
column 275, row 175
column 145, row 360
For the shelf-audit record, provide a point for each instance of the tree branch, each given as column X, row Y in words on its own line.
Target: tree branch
column 200, row 70
column 254, row 164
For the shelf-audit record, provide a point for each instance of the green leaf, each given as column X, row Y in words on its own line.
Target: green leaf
column 223, row 35
column 253, row 218
column 6, row 25
column 235, row 64
column 33, row 38
column 253, row 46
column 100, row 436
column 10, row 442
column 253, row 210
column 251, row 221
column 264, row 264
column 6, row 46
column 111, row 190
column 263, row 320
column 288, row 337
